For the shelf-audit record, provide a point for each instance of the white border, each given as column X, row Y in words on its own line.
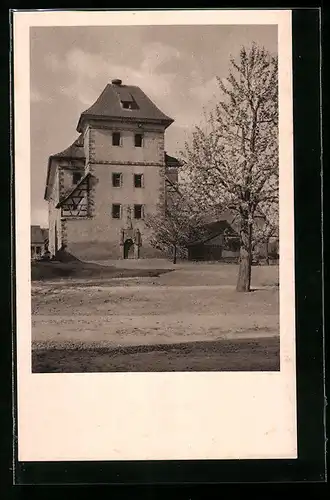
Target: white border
column 141, row 416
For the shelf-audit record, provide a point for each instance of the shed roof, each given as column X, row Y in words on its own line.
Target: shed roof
column 171, row 161
column 73, row 190
column 214, row 229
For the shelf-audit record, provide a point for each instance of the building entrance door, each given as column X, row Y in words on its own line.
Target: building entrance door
column 129, row 249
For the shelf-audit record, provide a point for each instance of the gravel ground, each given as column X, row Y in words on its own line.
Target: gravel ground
column 192, row 304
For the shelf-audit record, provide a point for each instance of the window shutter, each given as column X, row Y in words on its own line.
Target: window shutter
column 142, row 212
column 120, row 211
column 142, row 180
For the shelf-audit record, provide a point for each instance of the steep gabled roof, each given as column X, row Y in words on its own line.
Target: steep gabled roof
column 74, row 152
column 109, row 106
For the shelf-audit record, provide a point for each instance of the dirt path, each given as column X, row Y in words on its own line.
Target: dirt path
column 185, row 305
column 135, row 330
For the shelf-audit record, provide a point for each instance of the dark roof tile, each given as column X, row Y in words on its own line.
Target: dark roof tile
column 171, row 161
column 108, row 105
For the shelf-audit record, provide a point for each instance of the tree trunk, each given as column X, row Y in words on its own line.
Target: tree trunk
column 245, row 260
column 174, row 254
column 267, row 251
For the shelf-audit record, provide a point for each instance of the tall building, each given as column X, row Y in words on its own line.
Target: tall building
column 102, row 187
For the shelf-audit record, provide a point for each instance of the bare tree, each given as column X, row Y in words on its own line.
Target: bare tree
column 175, row 226
column 232, row 163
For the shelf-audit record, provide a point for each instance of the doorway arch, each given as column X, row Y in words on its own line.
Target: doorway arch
column 129, row 249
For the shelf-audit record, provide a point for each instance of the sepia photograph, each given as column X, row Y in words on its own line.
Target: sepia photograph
column 154, row 235
column 154, row 198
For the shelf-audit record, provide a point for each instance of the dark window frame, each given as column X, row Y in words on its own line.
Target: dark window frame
column 116, row 139
column 114, row 213
column 137, row 208
column 116, row 175
column 138, row 144
column 136, row 176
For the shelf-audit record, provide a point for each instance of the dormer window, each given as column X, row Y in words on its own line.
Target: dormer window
column 125, row 97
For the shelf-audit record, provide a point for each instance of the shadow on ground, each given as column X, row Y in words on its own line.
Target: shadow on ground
column 235, row 355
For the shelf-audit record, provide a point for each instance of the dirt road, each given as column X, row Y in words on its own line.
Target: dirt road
column 186, row 305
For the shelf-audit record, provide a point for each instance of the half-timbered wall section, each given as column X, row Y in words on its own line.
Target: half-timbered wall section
column 76, row 203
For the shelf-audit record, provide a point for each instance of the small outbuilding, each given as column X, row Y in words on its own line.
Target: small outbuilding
column 220, row 242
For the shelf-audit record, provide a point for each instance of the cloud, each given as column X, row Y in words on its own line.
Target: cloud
column 156, row 54
column 207, row 92
column 53, row 62
column 85, row 94
column 37, row 96
column 90, row 72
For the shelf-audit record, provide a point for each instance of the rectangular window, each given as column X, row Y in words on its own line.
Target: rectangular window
column 116, row 138
column 138, row 140
column 137, row 211
column 76, row 176
column 116, row 211
column 116, row 180
column 138, row 180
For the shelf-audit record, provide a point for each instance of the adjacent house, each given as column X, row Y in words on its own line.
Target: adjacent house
column 39, row 241
column 220, row 241
column 100, row 189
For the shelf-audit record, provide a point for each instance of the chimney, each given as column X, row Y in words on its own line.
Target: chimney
column 116, row 81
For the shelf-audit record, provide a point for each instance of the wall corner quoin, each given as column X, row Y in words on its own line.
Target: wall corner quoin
column 161, row 150
column 61, row 180
column 91, row 145
column 64, row 232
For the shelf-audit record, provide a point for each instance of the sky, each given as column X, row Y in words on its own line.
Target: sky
column 176, row 66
